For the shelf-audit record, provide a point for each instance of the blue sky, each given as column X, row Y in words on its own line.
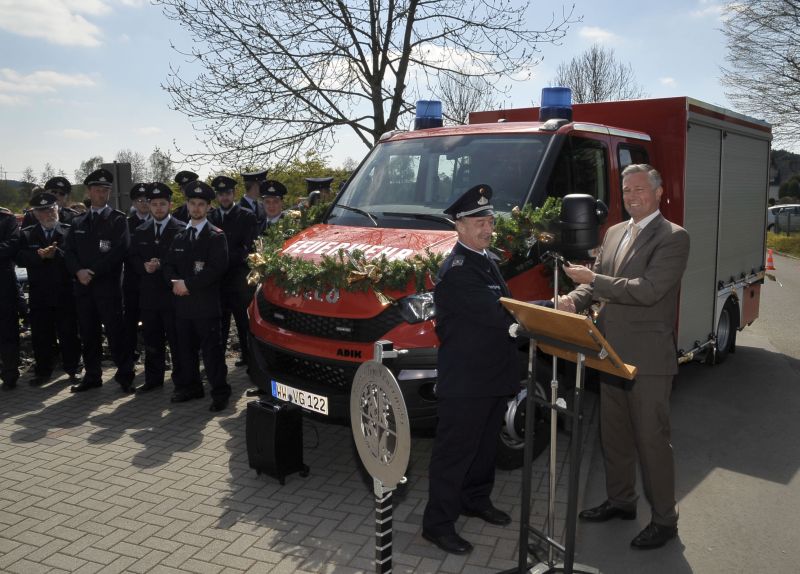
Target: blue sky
column 80, row 78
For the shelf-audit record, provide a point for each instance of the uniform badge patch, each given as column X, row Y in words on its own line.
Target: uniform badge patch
column 458, row 260
column 105, row 246
column 198, row 266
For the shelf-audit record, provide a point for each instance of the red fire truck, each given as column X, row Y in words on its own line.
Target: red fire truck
column 307, row 346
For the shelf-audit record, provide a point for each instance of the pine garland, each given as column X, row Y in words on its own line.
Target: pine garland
column 352, row 271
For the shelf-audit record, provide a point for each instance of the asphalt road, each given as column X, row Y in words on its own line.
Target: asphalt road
column 735, row 434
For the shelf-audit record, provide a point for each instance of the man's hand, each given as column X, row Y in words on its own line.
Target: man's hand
column 179, row 287
column 565, row 303
column 47, row 252
column 579, row 273
column 153, row 265
column 84, row 276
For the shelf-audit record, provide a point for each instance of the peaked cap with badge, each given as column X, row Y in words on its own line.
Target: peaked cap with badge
column 319, row 183
column 198, row 190
column 272, row 188
column 42, row 200
column 159, row 190
column 475, row 202
column 99, row 177
column 254, row 177
column 184, row 177
column 58, row 184
column 223, row 184
column 138, row 190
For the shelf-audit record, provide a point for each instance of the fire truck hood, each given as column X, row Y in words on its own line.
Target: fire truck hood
column 394, row 244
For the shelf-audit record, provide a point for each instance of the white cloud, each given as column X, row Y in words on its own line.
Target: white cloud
column 57, row 21
column 667, row 81
column 596, row 34
column 8, row 100
column 148, row 131
column 709, row 8
column 13, row 84
column 74, row 134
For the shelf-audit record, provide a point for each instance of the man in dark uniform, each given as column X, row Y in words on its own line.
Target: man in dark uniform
column 195, row 264
column 149, row 246
column 9, row 312
column 182, row 178
column 240, row 228
column 52, row 305
column 61, row 188
column 130, row 279
column 252, row 196
column 94, row 250
column 319, row 190
column 478, row 372
column 272, row 193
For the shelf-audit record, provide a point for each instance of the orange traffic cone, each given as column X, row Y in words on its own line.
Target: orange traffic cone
column 770, row 263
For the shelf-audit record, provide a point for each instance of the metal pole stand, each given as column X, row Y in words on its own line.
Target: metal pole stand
column 568, row 548
column 381, row 431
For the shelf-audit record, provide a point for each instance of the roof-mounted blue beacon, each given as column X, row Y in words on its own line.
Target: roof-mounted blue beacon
column 556, row 104
column 429, row 114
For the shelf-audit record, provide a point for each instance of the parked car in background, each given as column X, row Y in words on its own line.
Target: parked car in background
column 787, row 218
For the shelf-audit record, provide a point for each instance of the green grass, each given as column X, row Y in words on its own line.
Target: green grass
column 789, row 244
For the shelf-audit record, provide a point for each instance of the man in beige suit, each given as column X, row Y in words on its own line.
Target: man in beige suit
column 637, row 277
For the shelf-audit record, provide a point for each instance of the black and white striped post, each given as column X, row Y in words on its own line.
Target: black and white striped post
column 381, row 431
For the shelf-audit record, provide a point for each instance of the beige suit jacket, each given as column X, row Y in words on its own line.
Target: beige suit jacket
column 640, row 313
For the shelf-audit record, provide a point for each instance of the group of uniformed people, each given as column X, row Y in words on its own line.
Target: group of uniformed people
column 182, row 274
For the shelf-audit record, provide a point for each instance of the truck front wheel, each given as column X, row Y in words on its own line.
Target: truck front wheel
column 510, row 453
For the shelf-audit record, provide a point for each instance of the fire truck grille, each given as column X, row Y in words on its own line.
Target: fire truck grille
column 329, row 374
column 356, row 330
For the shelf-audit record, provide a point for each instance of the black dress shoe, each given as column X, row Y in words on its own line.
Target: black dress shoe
column 127, row 387
column 39, row 380
column 654, row 536
column 451, row 543
column 491, row 515
column 85, row 385
column 149, row 387
column 182, row 397
column 606, row 512
column 218, row 405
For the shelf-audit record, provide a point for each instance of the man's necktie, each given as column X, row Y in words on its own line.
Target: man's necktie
column 49, row 235
column 192, row 234
column 633, row 233
column 158, row 231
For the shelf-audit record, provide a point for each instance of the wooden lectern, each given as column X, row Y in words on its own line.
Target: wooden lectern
column 577, row 339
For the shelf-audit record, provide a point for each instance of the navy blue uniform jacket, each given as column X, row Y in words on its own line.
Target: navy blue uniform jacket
column 201, row 264
column 49, row 282
column 477, row 357
column 155, row 291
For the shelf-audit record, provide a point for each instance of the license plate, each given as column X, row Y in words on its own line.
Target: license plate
column 308, row 401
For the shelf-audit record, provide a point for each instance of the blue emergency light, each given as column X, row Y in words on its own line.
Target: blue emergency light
column 556, row 104
column 429, row 114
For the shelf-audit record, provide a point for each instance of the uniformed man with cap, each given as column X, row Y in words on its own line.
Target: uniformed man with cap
column 94, row 251
column 130, row 279
column 477, row 373
column 9, row 311
column 272, row 193
column 54, row 319
column 252, row 196
column 319, row 189
column 241, row 229
column 195, row 264
column 61, row 188
column 149, row 245
column 182, row 178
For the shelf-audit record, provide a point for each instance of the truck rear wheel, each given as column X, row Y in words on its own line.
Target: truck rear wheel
column 726, row 332
column 510, row 453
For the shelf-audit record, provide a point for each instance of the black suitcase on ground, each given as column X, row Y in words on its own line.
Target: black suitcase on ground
column 275, row 439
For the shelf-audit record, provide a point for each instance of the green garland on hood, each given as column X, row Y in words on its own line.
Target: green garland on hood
column 352, row 271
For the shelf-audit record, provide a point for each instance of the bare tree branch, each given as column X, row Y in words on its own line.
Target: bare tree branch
column 763, row 76
column 269, row 79
column 597, row 76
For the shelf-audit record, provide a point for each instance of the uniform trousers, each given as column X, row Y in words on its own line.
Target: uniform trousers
column 54, row 329
column 462, row 467
column 636, row 421
column 158, row 330
column 203, row 335
column 234, row 302
column 96, row 314
column 9, row 330
column 131, row 317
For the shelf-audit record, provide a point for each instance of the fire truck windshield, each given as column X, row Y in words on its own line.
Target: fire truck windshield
column 408, row 183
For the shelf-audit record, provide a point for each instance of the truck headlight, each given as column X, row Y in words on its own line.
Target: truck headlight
column 417, row 308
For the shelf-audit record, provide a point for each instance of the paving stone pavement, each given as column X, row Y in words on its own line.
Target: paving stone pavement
column 106, row 482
